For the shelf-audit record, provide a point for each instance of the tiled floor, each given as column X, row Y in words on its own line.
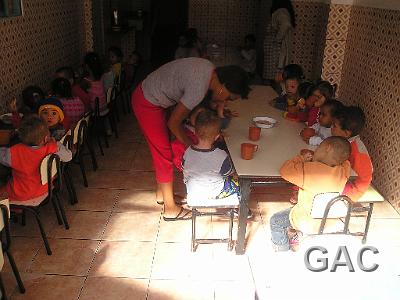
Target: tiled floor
column 118, row 246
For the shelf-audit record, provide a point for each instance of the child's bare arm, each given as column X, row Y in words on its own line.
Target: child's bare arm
column 293, row 170
column 5, row 156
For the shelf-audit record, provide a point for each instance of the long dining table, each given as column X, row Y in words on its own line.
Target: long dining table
column 276, row 145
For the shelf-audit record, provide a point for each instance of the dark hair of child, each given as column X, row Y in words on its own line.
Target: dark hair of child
column 116, row 51
column 68, row 72
column 235, row 79
column 305, row 88
column 251, row 38
column 93, row 62
column 326, row 89
column 333, row 105
column 33, row 130
column 31, row 95
column 293, row 71
column 351, row 118
column 341, row 146
column 61, row 87
column 208, row 125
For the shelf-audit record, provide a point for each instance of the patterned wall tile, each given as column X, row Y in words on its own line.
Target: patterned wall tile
column 370, row 79
column 339, row 17
column 333, row 56
column 51, row 33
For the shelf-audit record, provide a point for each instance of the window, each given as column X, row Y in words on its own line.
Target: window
column 10, row 8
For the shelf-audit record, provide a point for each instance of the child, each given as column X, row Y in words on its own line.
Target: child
column 94, row 79
column 76, row 88
column 133, row 63
column 322, row 129
column 349, row 122
column 73, row 107
column 51, row 111
column 207, row 170
column 25, row 158
column 327, row 171
column 323, row 91
column 115, row 56
column 249, row 55
column 299, row 112
column 30, row 96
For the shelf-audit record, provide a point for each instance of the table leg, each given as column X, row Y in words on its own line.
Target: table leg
column 243, row 212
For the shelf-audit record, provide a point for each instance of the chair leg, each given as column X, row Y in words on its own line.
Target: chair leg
column 59, row 220
column 230, row 243
column 16, row 272
column 194, row 211
column 104, row 131
column 64, row 217
column 42, row 232
column 113, row 124
column 70, row 188
column 92, row 154
column 99, row 143
column 3, row 291
column 23, row 218
column 83, row 171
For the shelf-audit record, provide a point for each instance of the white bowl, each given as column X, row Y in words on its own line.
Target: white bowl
column 256, row 121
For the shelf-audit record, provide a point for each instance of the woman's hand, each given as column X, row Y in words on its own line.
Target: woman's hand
column 178, row 115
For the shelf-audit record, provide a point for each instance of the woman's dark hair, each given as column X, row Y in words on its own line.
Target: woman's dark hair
column 326, row 89
column 351, row 118
column 277, row 4
column 235, row 79
column 61, row 87
column 67, row 72
column 305, row 89
column 93, row 62
column 31, row 95
column 117, row 52
column 334, row 106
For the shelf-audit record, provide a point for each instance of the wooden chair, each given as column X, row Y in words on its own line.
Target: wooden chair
column 224, row 207
column 5, row 244
column 50, row 173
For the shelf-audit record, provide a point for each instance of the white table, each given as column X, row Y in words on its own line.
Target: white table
column 276, row 145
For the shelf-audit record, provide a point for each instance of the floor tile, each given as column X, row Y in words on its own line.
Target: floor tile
column 116, row 160
column 122, row 180
column 180, row 289
column 139, row 227
column 384, row 210
column 70, row 257
column 9, row 283
column 181, row 231
column 23, row 250
column 123, row 259
column 143, row 159
column 114, row 288
column 175, row 261
column 234, row 290
column 50, row 287
column 83, row 225
column 137, row 201
column 94, row 199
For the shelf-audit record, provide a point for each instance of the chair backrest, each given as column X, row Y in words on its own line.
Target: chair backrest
column 333, row 202
column 4, row 203
column 48, row 166
column 79, row 132
column 64, row 139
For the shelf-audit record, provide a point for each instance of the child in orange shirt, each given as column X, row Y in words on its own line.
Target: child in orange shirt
column 349, row 122
column 326, row 171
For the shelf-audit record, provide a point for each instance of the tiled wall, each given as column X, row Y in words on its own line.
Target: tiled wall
column 370, row 77
column 51, row 33
column 224, row 22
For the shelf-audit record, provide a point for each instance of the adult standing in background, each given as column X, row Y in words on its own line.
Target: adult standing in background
column 279, row 40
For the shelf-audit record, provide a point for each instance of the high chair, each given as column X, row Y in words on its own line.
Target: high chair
column 228, row 204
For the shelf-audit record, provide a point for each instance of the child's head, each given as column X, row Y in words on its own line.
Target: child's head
column 250, row 41
column 67, row 73
column 323, row 91
column 328, row 110
column 333, row 151
column 31, row 95
column 93, row 65
column 293, row 71
column 208, row 126
column 291, row 86
column 135, row 58
column 51, row 111
column 348, row 122
column 304, row 89
column 115, row 55
column 33, row 131
column 61, row 87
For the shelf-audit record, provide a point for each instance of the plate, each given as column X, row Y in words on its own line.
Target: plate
column 7, row 118
column 258, row 121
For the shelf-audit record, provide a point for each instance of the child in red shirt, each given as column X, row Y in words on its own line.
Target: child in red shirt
column 25, row 158
column 349, row 122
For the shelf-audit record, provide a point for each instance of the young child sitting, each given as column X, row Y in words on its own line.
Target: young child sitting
column 207, row 170
column 115, row 56
column 299, row 111
column 326, row 171
column 73, row 107
column 322, row 129
column 322, row 91
column 25, row 158
column 348, row 123
column 51, row 111
column 249, row 55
